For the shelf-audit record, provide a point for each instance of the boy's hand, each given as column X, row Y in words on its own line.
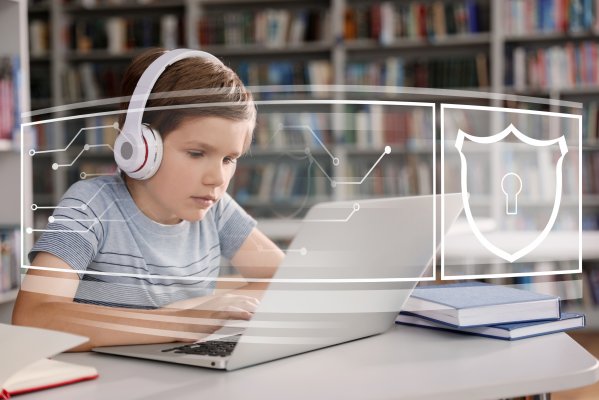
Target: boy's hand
column 228, row 306
column 211, row 313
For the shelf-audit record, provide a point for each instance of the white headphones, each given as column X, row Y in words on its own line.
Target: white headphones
column 138, row 147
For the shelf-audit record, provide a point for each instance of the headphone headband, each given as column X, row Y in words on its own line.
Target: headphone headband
column 138, row 148
column 148, row 79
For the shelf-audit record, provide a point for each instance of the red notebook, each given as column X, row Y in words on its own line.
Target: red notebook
column 45, row 374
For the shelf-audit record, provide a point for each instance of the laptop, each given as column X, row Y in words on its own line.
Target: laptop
column 345, row 276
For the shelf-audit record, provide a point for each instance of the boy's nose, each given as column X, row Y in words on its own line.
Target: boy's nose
column 214, row 175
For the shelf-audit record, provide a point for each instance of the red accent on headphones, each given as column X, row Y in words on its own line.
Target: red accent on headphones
column 145, row 156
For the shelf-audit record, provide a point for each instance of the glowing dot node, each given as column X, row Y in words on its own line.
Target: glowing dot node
column 303, row 251
column 115, row 125
column 307, row 151
column 84, row 207
column 55, row 166
column 29, row 231
column 32, row 152
column 86, row 147
column 34, row 207
column 51, row 219
column 83, row 175
column 335, row 161
column 387, row 149
column 333, row 184
column 356, row 206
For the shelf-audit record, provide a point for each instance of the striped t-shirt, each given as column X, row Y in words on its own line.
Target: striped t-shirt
column 126, row 259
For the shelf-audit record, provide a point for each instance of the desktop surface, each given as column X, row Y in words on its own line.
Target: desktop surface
column 403, row 363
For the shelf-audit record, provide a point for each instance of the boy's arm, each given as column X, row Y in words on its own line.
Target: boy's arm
column 46, row 301
column 258, row 257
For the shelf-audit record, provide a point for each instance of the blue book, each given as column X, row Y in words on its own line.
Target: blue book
column 477, row 303
column 513, row 331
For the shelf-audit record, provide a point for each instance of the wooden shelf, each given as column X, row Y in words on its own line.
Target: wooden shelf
column 257, row 3
column 102, row 55
column 255, row 50
column 471, row 39
column 549, row 91
column 550, row 37
column 125, row 6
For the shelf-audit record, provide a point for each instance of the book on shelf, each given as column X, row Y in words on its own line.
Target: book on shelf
column 505, row 331
column 590, row 123
column 375, row 126
column 313, row 72
column 270, row 28
column 89, row 81
column 526, row 17
column 278, row 131
column 117, row 34
column 408, row 176
column 560, row 66
column 10, row 104
column 387, row 21
column 457, row 72
column 478, row 303
column 273, row 183
column 39, row 37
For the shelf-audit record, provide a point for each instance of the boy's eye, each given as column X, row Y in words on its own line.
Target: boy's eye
column 195, row 154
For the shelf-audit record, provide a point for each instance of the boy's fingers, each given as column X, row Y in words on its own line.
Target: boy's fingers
column 232, row 312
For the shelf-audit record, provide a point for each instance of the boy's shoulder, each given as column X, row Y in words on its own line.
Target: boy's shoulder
column 95, row 188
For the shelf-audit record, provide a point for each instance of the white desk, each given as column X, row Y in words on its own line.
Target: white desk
column 404, row 363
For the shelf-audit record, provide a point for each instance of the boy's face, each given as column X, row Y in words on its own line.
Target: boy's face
column 198, row 162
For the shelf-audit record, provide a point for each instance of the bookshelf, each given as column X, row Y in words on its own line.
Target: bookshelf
column 15, row 99
column 341, row 42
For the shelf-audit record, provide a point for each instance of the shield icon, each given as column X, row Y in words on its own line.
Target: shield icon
column 510, row 255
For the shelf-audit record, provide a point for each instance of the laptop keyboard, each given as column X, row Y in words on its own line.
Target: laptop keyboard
column 216, row 348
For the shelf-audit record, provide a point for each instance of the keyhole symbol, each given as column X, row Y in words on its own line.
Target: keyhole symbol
column 511, row 185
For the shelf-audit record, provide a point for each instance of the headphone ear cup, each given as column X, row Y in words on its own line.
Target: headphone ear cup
column 129, row 151
column 154, row 150
column 139, row 160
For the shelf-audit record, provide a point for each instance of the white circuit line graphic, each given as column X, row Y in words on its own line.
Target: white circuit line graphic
column 355, row 209
column 334, row 159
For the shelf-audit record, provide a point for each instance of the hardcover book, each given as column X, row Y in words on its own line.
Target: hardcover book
column 508, row 331
column 45, row 374
column 477, row 303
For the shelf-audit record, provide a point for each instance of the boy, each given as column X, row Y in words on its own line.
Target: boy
column 141, row 256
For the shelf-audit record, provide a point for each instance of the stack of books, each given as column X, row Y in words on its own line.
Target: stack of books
column 487, row 310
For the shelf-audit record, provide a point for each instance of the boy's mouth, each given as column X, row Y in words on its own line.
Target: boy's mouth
column 204, row 201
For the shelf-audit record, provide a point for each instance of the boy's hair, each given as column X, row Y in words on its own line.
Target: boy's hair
column 192, row 82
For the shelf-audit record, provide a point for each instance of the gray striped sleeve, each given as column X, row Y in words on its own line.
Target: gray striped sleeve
column 234, row 225
column 74, row 234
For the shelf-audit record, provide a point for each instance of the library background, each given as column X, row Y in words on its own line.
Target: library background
column 75, row 51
